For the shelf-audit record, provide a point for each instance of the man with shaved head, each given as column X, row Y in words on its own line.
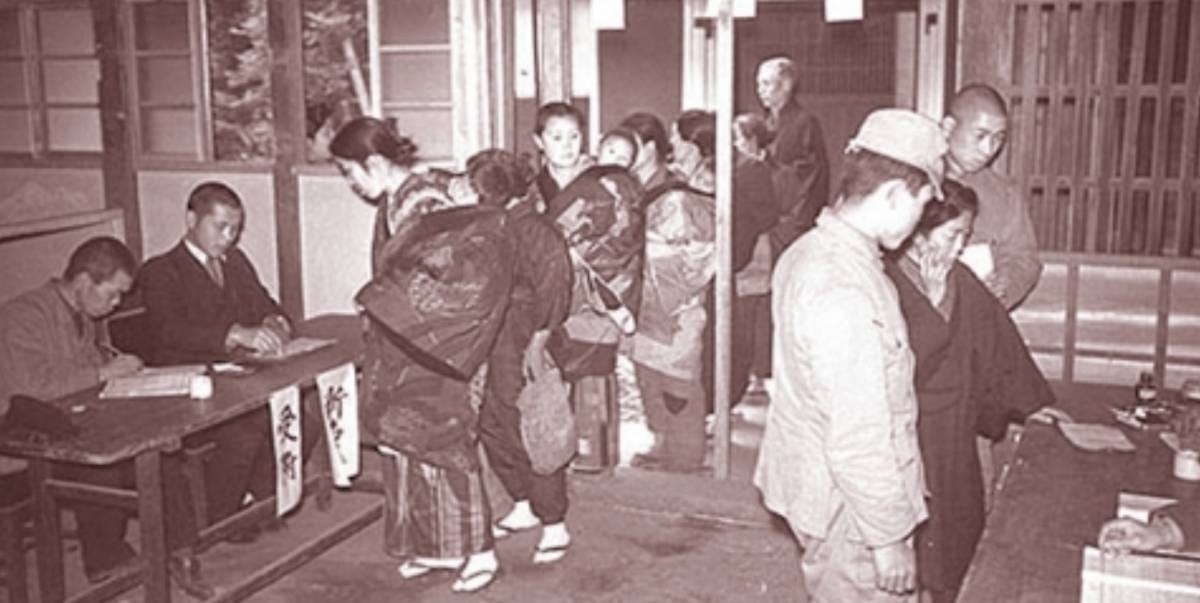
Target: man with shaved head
column 977, row 127
column 798, row 151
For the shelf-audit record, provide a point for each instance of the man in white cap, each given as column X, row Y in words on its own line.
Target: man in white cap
column 839, row 458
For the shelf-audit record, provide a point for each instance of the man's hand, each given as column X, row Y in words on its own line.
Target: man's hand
column 280, row 325
column 119, row 366
column 260, row 339
column 1123, row 535
column 1050, row 415
column 895, row 567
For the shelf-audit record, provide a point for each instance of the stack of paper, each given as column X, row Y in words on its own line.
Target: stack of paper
column 157, row 382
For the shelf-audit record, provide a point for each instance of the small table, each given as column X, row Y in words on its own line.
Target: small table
column 1053, row 498
column 143, row 429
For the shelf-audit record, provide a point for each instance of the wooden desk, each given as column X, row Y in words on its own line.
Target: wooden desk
column 144, row 429
column 1053, row 499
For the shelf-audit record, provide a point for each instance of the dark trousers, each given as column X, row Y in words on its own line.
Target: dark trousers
column 243, row 457
column 745, row 341
column 102, row 528
column 500, row 432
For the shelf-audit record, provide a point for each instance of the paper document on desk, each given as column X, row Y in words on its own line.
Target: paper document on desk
column 1094, row 437
column 1140, row 506
column 1163, row 577
column 293, row 348
column 153, row 382
column 978, row 257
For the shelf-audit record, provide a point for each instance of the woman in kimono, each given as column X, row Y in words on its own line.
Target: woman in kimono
column 558, row 136
column 680, row 262
column 442, row 268
column 974, row 375
column 539, row 302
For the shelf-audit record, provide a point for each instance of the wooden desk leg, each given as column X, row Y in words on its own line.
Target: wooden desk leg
column 49, row 534
column 150, row 523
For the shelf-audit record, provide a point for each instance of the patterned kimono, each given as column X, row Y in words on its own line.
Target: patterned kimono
column 442, row 282
column 599, row 215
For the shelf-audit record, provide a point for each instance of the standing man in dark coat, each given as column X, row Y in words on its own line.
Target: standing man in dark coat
column 204, row 301
column 797, row 151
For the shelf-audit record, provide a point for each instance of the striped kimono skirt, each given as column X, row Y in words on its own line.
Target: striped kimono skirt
column 431, row 511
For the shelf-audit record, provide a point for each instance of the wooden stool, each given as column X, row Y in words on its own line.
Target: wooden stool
column 13, row 515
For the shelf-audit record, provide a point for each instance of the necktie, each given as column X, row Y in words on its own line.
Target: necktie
column 214, row 270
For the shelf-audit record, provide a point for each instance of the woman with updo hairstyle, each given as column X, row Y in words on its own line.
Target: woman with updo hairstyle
column 653, row 152
column 974, row 375
column 439, row 261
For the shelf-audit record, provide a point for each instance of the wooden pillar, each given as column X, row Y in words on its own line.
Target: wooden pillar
column 284, row 24
column 553, row 31
column 724, row 278
column 119, row 174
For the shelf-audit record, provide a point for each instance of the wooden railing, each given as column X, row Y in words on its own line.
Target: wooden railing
column 1106, row 318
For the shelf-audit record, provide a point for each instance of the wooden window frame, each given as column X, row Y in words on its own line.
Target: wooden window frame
column 36, row 105
column 202, row 148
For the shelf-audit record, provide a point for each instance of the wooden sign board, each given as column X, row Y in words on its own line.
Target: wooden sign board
column 1141, row 577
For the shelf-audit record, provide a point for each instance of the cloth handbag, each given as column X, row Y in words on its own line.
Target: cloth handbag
column 547, row 423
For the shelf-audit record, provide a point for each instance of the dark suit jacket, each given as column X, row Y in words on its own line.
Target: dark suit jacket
column 188, row 315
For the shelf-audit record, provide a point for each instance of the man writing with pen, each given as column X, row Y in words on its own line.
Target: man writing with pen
column 52, row 343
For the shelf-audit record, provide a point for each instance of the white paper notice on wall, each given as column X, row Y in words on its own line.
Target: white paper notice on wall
column 339, row 411
column 843, row 10
column 608, row 14
column 285, row 435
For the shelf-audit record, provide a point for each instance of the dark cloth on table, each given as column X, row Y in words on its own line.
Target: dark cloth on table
column 973, row 375
column 189, row 316
column 540, row 300
column 801, row 173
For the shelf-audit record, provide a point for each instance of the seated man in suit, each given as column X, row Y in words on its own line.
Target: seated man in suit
column 52, row 343
column 204, row 302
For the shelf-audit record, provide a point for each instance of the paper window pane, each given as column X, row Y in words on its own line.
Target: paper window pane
column 14, row 131
column 165, row 80
column 431, row 129
column 74, row 129
column 72, row 81
column 161, row 26
column 10, row 32
column 414, row 22
column 12, row 82
column 168, row 131
column 66, row 31
column 416, row 76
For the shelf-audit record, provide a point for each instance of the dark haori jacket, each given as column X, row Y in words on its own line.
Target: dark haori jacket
column 438, row 297
column 540, row 300
column 801, row 173
column 600, row 216
column 974, row 375
column 189, row 314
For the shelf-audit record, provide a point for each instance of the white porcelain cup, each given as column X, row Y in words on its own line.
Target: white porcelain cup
column 1187, row 465
column 200, row 387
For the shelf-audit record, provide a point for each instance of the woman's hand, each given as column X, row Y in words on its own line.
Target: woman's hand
column 536, row 363
column 934, row 270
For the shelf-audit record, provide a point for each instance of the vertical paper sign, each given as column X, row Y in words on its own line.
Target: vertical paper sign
column 339, row 413
column 285, row 432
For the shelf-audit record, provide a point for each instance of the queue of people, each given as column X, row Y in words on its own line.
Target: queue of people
column 888, row 356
